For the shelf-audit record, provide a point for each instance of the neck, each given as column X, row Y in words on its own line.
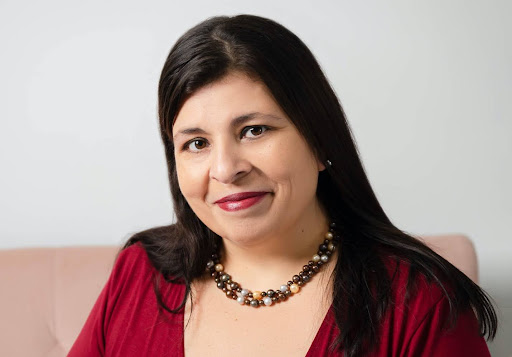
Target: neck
column 273, row 260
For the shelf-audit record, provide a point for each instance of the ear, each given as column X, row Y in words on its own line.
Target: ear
column 320, row 165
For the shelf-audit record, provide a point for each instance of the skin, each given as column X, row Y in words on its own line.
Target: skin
column 265, row 244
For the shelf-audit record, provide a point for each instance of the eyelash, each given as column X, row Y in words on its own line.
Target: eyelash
column 242, row 133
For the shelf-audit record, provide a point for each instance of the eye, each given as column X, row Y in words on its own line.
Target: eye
column 254, row 131
column 195, row 145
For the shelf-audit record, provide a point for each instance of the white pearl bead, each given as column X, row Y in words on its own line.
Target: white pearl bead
column 330, row 247
column 324, row 258
column 240, row 300
column 219, row 267
column 316, row 258
column 329, row 235
column 268, row 301
column 244, row 292
column 283, row 288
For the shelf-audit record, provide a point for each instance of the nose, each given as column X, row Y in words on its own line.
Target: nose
column 228, row 163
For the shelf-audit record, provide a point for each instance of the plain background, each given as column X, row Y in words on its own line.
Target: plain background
column 426, row 86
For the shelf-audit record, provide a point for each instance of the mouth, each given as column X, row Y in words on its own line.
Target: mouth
column 239, row 201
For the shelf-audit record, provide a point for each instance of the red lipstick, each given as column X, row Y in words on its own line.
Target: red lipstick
column 239, row 201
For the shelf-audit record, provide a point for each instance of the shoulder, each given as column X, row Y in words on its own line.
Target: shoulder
column 131, row 263
column 418, row 320
column 133, row 272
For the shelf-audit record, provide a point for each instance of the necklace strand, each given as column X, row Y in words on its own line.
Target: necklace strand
column 234, row 290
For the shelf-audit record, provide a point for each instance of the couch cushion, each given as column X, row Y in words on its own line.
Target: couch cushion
column 47, row 294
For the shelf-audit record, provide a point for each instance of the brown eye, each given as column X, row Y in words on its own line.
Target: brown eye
column 196, row 145
column 253, row 131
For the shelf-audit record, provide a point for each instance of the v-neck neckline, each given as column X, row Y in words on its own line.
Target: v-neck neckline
column 324, row 328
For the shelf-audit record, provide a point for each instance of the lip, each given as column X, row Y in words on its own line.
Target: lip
column 239, row 201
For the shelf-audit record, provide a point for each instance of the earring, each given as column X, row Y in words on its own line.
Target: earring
column 328, row 163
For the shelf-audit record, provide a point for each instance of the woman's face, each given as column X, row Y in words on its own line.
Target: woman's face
column 242, row 166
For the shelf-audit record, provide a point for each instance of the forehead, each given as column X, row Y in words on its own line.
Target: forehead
column 234, row 95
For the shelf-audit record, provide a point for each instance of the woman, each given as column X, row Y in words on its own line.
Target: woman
column 275, row 214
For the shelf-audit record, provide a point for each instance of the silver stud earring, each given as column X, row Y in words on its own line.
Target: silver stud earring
column 328, row 163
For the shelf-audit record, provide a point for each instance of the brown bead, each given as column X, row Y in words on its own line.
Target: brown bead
column 289, row 282
column 229, row 293
column 270, row 293
column 247, row 302
column 300, row 283
column 282, row 296
column 274, row 299
column 224, row 289
column 311, row 263
column 287, row 293
column 306, row 268
column 261, row 302
column 296, row 278
column 315, row 268
column 311, row 273
column 233, row 286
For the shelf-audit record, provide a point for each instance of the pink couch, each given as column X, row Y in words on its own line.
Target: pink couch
column 47, row 293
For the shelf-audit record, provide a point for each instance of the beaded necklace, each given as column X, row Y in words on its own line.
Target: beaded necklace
column 234, row 291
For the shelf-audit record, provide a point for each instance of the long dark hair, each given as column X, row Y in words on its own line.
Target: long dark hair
column 265, row 50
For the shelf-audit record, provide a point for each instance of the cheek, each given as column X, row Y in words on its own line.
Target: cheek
column 291, row 165
column 190, row 179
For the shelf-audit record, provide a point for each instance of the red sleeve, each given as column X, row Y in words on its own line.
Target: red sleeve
column 431, row 339
column 92, row 338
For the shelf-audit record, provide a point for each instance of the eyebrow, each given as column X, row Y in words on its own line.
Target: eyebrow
column 237, row 121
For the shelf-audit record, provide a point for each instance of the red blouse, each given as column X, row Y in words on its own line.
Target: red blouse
column 125, row 321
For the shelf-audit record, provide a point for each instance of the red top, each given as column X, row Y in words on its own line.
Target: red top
column 125, row 321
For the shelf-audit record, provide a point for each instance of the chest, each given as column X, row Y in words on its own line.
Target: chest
column 220, row 325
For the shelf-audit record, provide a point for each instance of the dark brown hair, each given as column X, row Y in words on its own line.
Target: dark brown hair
column 269, row 52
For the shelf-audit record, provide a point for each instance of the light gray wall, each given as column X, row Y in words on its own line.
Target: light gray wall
column 426, row 87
